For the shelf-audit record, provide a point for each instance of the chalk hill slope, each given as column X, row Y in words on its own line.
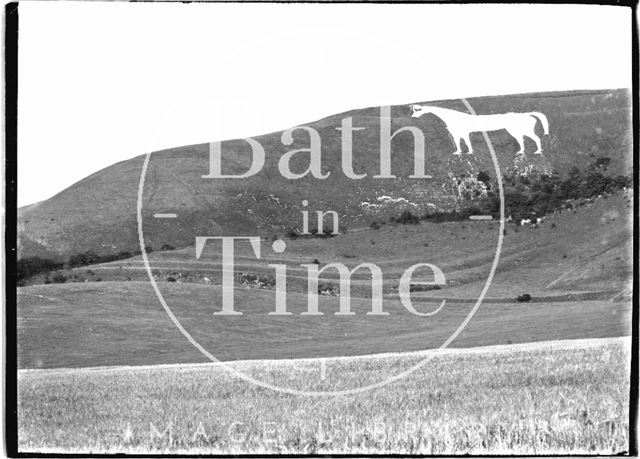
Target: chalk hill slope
column 99, row 212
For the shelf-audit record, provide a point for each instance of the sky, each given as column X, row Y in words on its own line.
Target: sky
column 102, row 82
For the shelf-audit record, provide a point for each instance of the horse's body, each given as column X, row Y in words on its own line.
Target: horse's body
column 461, row 125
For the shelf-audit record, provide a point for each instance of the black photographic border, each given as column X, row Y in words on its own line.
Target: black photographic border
column 10, row 433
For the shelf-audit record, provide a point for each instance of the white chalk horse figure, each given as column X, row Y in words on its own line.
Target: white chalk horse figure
column 461, row 125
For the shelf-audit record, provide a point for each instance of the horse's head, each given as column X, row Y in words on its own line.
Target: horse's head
column 418, row 110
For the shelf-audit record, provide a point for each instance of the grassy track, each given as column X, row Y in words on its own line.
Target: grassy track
column 560, row 398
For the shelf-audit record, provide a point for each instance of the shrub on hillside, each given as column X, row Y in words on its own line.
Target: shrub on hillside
column 441, row 217
column 59, row 278
column 326, row 232
column 28, row 267
column 87, row 258
column 601, row 163
column 406, row 218
column 484, row 177
column 256, row 280
column 327, row 289
column 91, row 258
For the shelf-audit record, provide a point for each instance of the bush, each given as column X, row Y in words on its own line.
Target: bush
column 601, row 163
column 256, row 280
column 326, row 289
column 59, row 278
column 525, row 298
column 87, row 258
column 28, row 267
column 484, row 177
column 123, row 254
column 266, row 280
column 326, row 232
column 406, row 218
column 91, row 258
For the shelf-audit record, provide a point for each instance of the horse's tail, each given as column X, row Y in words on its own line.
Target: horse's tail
column 543, row 120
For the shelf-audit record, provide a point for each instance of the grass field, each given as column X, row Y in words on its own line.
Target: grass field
column 112, row 323
column 567, row 397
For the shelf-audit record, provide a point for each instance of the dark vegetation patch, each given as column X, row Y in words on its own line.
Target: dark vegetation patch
column 327, row 289
column 531, row 196
column 32, row 266
column 256, row 280
column 423, row 288
column 293, row 233
column 406, row 218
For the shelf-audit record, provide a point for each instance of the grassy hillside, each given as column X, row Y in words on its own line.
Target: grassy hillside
column 557, row 398
column 98, row 213
column 586, row 249
column 573, row 266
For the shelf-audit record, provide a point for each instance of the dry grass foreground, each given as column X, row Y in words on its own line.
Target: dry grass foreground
column 554, row 397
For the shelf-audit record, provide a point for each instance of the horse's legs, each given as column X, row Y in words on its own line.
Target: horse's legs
column 536, row 139
column 468, row 140
column 460, row 140
column 520, row 139
column 456, row 143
